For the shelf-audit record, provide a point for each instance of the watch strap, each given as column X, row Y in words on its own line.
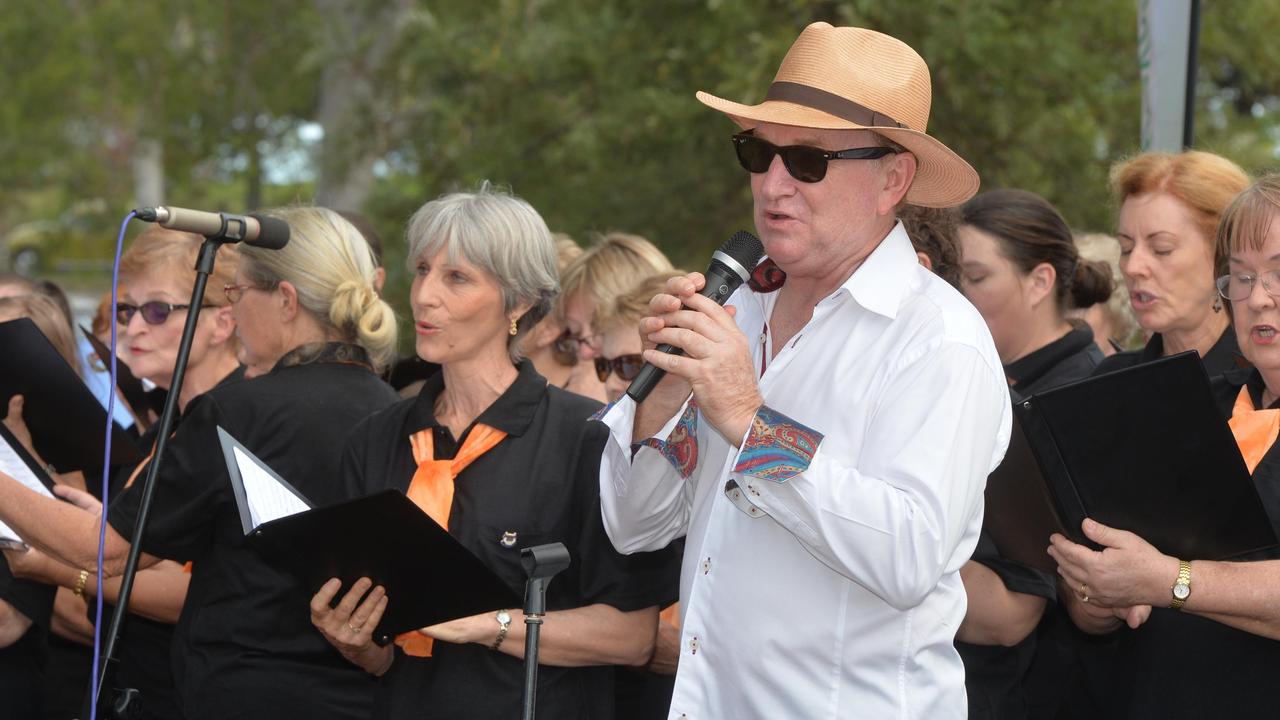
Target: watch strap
column 1184, row 580
column 503, row 626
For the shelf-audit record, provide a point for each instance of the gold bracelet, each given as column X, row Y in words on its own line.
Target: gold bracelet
column 79, row 588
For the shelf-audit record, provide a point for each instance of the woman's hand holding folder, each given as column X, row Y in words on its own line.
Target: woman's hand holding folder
column 1118, row 584
column 348, row 626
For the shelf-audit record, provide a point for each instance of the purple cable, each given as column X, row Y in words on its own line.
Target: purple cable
column 106, row 467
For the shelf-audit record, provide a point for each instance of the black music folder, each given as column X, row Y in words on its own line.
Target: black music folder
column 429, row 576
column 1143, row 449
column 66, row 420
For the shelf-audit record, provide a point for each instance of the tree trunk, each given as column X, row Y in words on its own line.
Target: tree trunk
column 147, row 163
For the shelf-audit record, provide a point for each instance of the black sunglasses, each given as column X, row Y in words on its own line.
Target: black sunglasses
column 626, row 367
column 153, row 312
column 805, row 162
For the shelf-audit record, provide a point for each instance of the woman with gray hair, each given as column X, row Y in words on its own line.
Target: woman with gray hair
column 503, row 461
column 314, row 330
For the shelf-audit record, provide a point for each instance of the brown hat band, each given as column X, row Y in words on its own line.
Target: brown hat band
column 830, row 103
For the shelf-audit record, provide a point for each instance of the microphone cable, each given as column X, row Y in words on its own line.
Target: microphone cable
column 106, row 466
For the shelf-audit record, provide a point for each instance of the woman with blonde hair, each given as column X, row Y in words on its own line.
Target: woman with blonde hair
column 157, row 274
column 1170, row 205
column 312, row 326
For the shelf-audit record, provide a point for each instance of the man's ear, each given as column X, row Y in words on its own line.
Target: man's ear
column 900, row 172
column 925, row 262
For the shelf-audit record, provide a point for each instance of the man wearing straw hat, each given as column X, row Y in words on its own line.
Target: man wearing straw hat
column 824, row 446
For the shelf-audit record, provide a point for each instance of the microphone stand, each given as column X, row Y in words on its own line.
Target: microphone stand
column 128, row 705
column 541, row 563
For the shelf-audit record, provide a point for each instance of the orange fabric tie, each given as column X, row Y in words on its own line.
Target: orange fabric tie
column 1255, row 430
column 432, row 490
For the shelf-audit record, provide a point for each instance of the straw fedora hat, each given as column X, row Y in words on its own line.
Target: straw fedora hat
column 854, row 79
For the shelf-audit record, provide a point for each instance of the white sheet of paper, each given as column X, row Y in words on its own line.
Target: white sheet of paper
column 11, row 464
column 268, row 499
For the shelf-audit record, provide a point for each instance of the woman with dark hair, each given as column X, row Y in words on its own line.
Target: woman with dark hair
column 1020, row 268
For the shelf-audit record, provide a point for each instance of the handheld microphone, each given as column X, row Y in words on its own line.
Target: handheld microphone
column 258, row 230
column 730, row 266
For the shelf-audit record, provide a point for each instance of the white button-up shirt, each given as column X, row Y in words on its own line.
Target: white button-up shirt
column 824, row 582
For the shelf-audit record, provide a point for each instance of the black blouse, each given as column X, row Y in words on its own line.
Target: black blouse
column 994, row 674
column 244, row 645
column 22, row 663
column 539, row 485
column 145, row 644
column 1222, row 357
column 1180, row 665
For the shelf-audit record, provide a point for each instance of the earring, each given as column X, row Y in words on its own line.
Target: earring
column 513, row 329
column 1217, row 305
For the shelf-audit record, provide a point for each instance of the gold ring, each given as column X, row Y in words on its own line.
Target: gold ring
column 353, row 628
column 1084, row 598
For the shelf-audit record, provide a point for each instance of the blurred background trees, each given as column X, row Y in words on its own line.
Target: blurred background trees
column 584, row 107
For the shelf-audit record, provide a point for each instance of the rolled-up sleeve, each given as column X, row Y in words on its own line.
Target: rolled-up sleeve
column 645, row 495
column 908, row 508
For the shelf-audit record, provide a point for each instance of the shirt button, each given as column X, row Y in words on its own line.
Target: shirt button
column 706, row 566
column 693, row 646
column 752, row 489
column 735, row 495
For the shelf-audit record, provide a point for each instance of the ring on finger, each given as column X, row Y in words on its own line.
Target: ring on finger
column 355, row 630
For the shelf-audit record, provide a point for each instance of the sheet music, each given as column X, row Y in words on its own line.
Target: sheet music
column 12, row 465
column 268, row 500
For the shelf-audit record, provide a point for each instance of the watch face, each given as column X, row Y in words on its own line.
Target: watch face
column 1182, row 592
column 504, row 617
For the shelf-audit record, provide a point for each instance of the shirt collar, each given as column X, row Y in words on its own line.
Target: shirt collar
column 883, row 279
column 1034, row 365
column 511, row 413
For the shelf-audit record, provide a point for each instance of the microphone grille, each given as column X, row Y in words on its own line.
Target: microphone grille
column 745, row 248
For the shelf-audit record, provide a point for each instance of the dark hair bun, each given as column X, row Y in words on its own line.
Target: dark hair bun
column 1092, row 284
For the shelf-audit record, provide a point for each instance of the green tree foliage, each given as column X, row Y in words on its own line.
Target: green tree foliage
column 586, row 108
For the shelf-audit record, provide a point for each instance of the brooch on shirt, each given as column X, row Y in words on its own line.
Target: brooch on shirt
column 508, row 539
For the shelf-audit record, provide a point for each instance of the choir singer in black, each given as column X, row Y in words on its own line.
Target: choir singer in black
column 1204, row 636
column 504, row 461
column 310, row 323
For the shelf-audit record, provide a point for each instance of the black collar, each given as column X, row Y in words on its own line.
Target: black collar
column 1032, row 366
column 1223, row 356
column 511, row 413
column 324, row 352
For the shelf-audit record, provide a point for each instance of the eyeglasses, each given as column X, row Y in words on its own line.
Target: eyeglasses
column 1239, row 286
column 626, row 367
column 235, row 292
column 805, row 162
column 565, row 349
column 153, row 312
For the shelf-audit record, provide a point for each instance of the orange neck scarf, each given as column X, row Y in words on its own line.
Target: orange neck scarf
column 1255, row 430
column 432, row 490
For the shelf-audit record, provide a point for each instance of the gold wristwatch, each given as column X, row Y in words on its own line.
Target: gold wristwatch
column 1181, row 586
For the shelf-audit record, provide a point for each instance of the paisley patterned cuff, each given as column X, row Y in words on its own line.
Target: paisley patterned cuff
column 681, row 446
column 599, row 414
column 777, row 448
